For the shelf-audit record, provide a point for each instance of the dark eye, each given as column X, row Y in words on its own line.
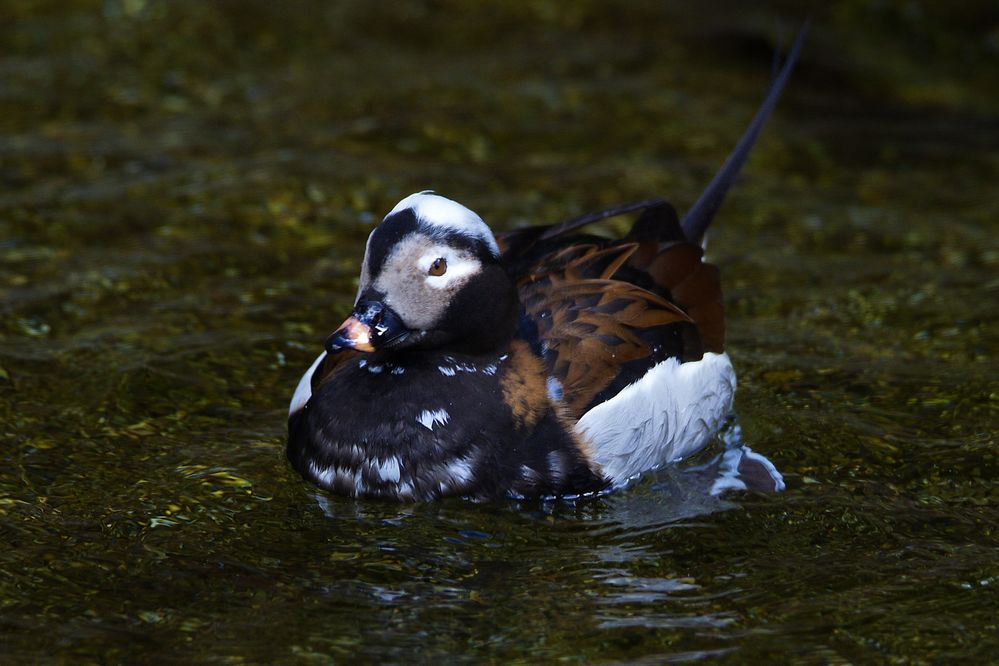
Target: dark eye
column 439, row 267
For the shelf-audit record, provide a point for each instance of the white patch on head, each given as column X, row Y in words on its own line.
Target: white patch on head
column 460, row 266
column 665, row 416
column 441, row 213
column 304, row 389
column 429, row 418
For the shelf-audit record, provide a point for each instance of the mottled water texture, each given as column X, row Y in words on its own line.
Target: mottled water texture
column 185, row 190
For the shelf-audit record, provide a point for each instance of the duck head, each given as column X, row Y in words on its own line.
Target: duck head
column 431, row 278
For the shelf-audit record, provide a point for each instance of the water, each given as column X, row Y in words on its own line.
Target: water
column 186, row 190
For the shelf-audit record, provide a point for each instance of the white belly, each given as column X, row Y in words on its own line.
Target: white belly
column 665, row 416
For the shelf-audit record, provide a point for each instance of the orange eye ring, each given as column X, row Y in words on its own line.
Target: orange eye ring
column 438, row 268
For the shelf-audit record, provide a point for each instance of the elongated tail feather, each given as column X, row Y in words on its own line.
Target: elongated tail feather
column 699, row 217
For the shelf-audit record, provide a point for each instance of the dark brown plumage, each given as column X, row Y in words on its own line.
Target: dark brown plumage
column 607, row 310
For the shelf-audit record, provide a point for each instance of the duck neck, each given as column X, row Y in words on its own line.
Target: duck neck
column 484, row 319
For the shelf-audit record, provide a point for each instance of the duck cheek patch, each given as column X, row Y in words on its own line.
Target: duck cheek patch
column 406, row 282
column 406, row 293
column 416, row 305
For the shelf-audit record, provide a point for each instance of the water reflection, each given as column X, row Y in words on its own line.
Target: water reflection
column 677, row 494
column 620, row 548
column 736, row 469
column 636, row 522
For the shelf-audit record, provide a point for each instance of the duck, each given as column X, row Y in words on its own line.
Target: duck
column 541, row 362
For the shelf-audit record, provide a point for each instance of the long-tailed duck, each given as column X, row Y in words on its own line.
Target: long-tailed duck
column 533, row 363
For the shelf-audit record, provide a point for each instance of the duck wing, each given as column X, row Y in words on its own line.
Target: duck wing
column 602, row 312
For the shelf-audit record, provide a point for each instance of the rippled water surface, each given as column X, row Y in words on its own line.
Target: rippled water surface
column 185, row 190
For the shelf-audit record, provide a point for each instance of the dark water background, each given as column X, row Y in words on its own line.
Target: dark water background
column 185, row 189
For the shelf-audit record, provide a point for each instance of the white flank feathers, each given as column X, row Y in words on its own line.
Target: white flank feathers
column 666, row 415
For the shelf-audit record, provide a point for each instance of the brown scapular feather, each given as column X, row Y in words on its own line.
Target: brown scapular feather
column 601, row 304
